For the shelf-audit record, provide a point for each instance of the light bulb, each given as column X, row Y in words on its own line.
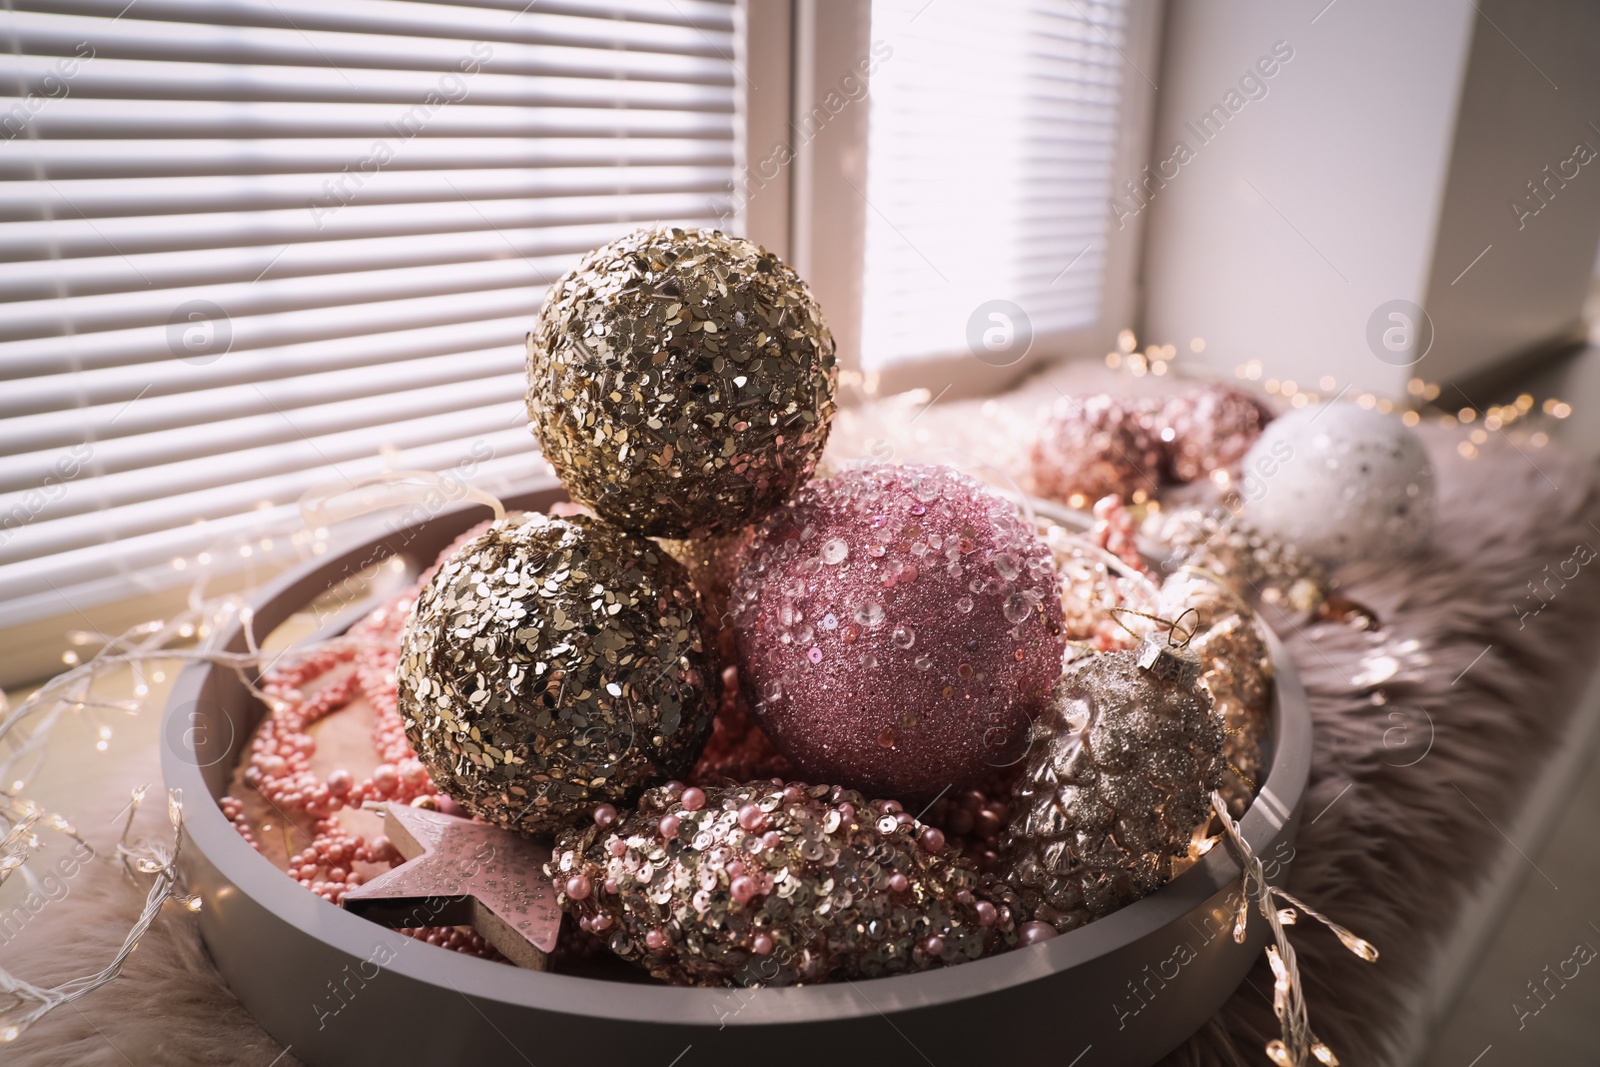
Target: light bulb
column 1360, row 946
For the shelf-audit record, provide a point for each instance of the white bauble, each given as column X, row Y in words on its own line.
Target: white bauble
column 1340, row 482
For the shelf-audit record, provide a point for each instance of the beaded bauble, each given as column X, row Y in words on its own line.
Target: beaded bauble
column 1253, row 565
column 1097, row 446
column 554, row 664
column 1347, row 483
column 1209, row 429
column 681, row 382
column 774, row 884
column 1119, row 778
column 898, row 626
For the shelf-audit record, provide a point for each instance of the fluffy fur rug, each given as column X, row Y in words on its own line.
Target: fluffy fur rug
column 170, row 1007
column 1393, row 852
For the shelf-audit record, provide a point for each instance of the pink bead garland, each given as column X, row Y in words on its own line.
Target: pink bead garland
column 279, row 763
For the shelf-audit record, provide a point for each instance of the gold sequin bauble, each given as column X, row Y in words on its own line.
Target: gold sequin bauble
column 1235, row 668
column 554, row 664
column 1117, row 782
column 681, row 382
column 773, row 884
column 1257, row 567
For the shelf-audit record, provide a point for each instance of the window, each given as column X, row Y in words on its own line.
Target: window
column 253, row 246
column 250, row 247
column 992, row 151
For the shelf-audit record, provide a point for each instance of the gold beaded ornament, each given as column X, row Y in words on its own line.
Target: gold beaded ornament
column 551, row 665
column 681, row 382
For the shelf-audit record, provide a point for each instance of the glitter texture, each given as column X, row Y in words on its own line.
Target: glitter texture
column 1114, row 790
column 1097, row 446
column 1235, row 668
column 1347, row 483
column 1209, row 429
column 681, row 382
column 1253, row 565
column 552, row 664
column 773, row 884
column 945, row 639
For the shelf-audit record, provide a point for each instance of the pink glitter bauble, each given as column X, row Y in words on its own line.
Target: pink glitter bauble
column 1097, row 446
column 897, row 628
column 1210, row 429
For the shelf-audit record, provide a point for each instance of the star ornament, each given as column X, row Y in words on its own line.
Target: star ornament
column 464, row 873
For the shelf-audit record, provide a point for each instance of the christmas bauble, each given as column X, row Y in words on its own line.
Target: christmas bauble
column 897, row 627
column 773, row 884
column 1097, row 446
column 1236, row 670
column 553, row 664
column 1341, row 482
column 681, row 382
column 1209, row 429
column 1119, row 778
column 1253, row 565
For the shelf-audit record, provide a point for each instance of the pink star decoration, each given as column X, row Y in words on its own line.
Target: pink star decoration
column 464, row 873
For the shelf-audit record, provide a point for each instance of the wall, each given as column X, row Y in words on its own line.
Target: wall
column 1376, row 165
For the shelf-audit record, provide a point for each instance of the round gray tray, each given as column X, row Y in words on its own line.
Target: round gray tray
column 343, row 992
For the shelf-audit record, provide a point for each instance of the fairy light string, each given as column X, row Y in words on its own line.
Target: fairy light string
column 25, row 732
column 22, row 1003
column 26, row 729
column 1160, row 360
column 1298, row 1046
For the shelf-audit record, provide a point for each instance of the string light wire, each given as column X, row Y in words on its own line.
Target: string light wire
column 1298, row 1046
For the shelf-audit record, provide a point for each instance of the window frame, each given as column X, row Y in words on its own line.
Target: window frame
column 826, row 231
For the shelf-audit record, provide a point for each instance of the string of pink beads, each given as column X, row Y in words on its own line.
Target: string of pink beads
column 972, row 819
column 1114, row 530
column 233, row 808
column 279, row 763
column 280, row 754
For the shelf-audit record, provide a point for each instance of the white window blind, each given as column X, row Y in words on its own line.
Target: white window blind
column 991, row 155
column 252, row 246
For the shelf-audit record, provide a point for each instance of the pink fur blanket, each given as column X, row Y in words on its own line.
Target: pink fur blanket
column 1393, row 852
column 1396, row 847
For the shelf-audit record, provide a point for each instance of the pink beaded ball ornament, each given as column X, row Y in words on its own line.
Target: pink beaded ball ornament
column 1097, row 446
column 898, row 627
column 1210, row 429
